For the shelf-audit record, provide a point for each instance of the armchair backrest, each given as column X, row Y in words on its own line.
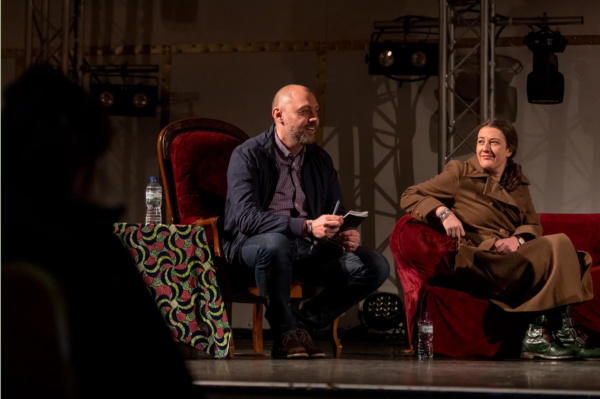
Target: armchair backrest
column 194, row 155
column 583, row 229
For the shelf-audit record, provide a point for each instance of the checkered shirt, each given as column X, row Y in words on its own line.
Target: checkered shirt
column 289, row 198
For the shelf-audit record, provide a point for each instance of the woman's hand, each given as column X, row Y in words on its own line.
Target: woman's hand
column 453, row 226
column 507, row 245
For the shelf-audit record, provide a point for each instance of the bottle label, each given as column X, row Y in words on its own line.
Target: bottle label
column 425, row 329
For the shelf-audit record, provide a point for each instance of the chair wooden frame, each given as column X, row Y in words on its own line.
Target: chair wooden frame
column 166, row 137
column 252, row 295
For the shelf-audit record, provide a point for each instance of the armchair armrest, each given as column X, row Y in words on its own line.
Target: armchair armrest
column 421, row 252
column 423, row 258
column 582, row 229
column 212, row 222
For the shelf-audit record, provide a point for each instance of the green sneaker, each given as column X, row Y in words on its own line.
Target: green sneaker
column 571, row 337
column 539, row 342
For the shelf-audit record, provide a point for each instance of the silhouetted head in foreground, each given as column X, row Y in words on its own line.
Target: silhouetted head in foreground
column 52, row 134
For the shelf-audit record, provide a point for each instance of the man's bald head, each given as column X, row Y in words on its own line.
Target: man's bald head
column 288, row 93
column 296, row 115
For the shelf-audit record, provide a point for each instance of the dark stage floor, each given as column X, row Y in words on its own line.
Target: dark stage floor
column 379, row 370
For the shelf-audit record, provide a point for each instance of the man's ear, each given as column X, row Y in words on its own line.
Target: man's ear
column 277, row 115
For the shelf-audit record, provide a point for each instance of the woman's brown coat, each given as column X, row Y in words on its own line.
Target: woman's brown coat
column 543, row 273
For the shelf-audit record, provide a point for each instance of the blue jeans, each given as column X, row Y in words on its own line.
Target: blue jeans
column 277, row 260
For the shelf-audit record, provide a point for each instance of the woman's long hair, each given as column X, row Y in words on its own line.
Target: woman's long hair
column 511, row 178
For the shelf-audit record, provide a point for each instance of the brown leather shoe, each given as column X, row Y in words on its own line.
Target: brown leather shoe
column 288, row 347
column 307, row 342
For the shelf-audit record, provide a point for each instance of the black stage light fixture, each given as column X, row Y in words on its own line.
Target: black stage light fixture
column 127, row 100
column 382, row 311
column 410, row 59
column 545, row 85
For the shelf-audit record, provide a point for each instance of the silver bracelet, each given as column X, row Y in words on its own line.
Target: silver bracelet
column 444, row 214
column 310, row 228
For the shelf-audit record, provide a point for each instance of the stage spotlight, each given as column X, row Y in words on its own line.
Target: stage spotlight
column 382, row 311
column 418, row 59
column 127, row 100
column 107, row 99
column 386, row 58
column 409, row 59
column 140, row 100
column 545, row 85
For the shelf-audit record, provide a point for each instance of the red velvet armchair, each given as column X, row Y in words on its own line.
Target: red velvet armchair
column 463, row 324
column 194, row 156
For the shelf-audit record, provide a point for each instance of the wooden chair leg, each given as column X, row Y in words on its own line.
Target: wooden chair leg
column 257, row 328
column 335, row 342
column 229, row 310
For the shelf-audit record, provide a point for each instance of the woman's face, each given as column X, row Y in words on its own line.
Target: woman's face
column 492, row 151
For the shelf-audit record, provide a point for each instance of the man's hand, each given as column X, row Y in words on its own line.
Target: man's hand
column 349, row 239
column 507, row 245
column 326, row 226
column 453, row 226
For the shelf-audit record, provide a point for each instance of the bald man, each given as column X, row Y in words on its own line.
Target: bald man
column 282, row 189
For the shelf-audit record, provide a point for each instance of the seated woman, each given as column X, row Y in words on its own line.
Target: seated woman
column 485, row 204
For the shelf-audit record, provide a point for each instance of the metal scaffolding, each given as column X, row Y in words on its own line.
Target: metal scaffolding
column 59, row 40
column 454, row 25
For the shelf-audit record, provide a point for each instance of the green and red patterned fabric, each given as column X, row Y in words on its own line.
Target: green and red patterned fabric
column 176, row 266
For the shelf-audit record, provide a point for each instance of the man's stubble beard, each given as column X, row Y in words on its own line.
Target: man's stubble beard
column 297, row 134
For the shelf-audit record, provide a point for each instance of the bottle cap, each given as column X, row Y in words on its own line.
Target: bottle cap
column 153, row 179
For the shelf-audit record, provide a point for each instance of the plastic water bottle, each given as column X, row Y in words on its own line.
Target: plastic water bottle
column 153, row 202
column 425, row 346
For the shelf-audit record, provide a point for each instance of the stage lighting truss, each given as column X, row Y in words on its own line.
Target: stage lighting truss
column 476, row 18
column 400, row 60
column 474, row 22
column 472, row 68
column 125, row 99
column 58, row 29
column 383, row 311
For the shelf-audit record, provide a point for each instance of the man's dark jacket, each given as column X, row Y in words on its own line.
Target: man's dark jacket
column 251, row 182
